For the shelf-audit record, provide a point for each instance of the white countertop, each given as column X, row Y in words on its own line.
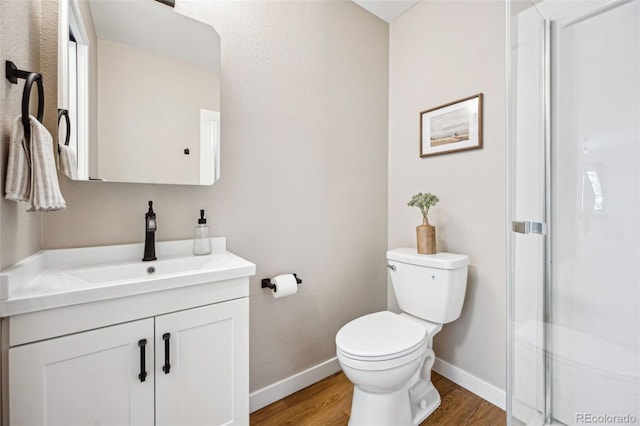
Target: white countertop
column 57, row 278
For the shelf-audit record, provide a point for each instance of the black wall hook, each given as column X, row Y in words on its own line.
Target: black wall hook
column 13, row 74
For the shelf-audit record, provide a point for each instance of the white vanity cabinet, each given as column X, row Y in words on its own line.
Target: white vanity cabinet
column 195, row 365
column 80, row 327
column 83, row 379
column 207, row 379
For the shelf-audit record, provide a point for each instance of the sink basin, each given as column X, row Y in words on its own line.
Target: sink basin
column 56, row 278
column 140, row 270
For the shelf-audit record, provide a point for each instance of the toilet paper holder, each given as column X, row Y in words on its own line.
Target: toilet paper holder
column 266, row 282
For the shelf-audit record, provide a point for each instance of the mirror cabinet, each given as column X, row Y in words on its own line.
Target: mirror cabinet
column 141, row 84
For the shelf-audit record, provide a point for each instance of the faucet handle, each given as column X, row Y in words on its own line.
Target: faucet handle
column 151, row 218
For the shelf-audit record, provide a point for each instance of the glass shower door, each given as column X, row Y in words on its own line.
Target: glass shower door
column 574, row 146
column 527, row 208
column 595, row 163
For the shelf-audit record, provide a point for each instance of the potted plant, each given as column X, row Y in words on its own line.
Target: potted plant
column 425, row 233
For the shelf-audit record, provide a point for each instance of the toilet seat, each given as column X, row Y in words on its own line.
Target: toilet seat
column 380, row 341
column 374, row 364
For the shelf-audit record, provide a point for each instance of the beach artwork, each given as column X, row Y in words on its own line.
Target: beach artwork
column 453, row 127
column 450, row 127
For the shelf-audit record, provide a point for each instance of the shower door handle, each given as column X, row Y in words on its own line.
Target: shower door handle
column 529, row 227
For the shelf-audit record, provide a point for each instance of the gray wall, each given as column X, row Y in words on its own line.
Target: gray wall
column 304, row 174
column 20, row 232
column 441, row 51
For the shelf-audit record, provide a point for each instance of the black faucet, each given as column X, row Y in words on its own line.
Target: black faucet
column 150, row 237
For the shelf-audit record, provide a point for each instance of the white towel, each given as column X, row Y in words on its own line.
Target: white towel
column 67, row 162
column 45, row 189
column 42, row 180
column 17, row 186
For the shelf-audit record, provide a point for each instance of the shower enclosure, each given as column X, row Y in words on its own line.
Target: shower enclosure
column 574, row 212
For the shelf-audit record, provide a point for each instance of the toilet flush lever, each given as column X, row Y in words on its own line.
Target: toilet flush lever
column 392, row 267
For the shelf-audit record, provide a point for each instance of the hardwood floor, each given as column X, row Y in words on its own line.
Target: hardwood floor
column 328, row 402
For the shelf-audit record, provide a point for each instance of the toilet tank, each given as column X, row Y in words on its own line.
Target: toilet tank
column 429, row 286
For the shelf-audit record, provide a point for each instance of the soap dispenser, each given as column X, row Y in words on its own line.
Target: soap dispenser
column 202, row 236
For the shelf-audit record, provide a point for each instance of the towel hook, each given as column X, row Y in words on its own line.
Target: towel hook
column 65, row 113
column 13, row 74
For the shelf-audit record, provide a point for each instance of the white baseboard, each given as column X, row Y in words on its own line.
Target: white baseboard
column 272, row 393
column 484, row 390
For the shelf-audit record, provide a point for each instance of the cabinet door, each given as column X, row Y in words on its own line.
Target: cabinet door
column 87, row 378
column 208, row 379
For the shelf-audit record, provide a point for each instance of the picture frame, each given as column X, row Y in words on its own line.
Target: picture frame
column 452, row 127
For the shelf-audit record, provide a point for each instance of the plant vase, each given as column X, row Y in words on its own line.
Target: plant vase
column 426, row 235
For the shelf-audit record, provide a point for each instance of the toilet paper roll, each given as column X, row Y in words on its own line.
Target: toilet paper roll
column 286, row 285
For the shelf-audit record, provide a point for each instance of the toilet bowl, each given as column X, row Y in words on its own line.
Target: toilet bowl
column 388, row 356
column 389, row 359
column 382, row 354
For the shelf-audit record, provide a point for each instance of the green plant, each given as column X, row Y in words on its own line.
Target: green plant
column 423, row 202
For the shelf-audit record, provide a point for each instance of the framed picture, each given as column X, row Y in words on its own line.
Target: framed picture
column 453, row 127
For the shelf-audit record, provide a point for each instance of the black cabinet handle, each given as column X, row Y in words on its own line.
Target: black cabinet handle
column 143, row 370
column 167, row 366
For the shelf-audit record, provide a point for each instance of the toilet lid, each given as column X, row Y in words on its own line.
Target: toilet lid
column 380, row 334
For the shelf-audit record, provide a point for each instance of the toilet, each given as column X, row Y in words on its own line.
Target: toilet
column 388, row 356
